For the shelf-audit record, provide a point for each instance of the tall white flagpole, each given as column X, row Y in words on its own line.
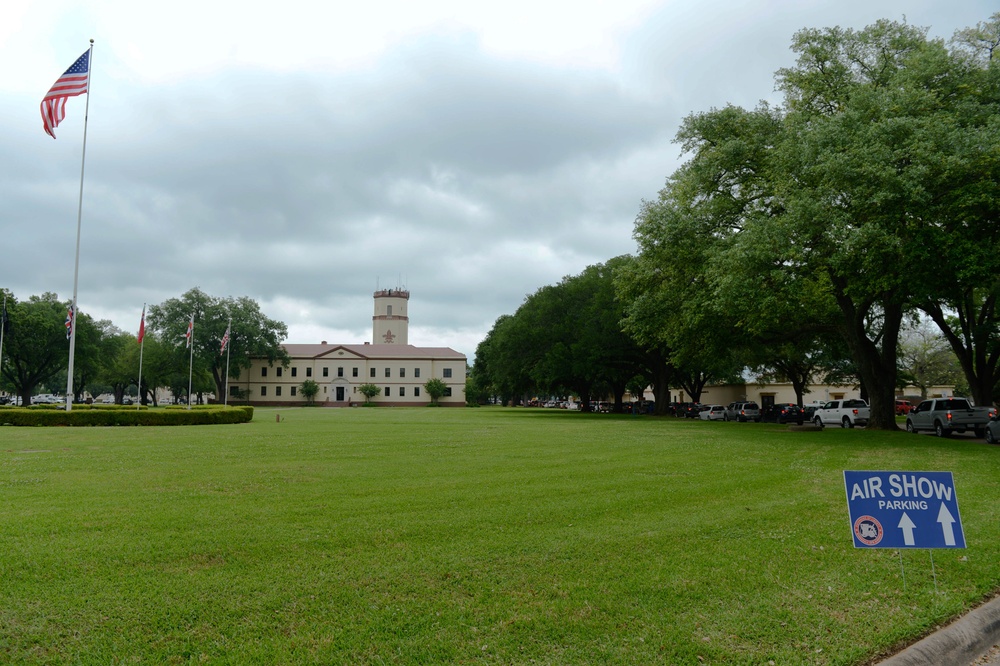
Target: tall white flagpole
column 79, row 223
column 191, row 362
column 229, row 343
column 142, row 343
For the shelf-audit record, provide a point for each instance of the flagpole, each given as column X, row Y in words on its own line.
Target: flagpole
column 142, row 343
column 229, row 344
column 191, row 362
column 79, row 224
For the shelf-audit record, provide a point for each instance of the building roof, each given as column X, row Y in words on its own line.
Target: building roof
column 380, row 351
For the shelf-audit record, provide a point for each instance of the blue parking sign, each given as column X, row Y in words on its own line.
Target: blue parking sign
column 903, row 510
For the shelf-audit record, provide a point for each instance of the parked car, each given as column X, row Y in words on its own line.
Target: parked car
column 742, row 411
column 783, row 412
column 845, row 413
column 903, row 407
column 992, row 433
column 692, row 410
column 712, row 413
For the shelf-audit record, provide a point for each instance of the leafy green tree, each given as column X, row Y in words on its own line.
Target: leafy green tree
column 35, row 348
column 848, row 192
column 369, row 391
column 251, row 334
column 435, row 388
column 309, row 390
column 504, row 360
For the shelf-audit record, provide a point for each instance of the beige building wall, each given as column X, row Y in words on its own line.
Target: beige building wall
column 400, row 372
column 766, row 394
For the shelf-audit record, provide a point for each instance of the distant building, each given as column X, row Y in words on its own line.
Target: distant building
column 399, row 369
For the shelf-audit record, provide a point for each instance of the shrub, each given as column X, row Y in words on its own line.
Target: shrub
column 124, row 416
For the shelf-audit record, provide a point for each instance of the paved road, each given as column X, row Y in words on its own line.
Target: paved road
column 991, row 658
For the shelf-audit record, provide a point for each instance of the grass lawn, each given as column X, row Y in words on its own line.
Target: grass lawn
column 421, row 536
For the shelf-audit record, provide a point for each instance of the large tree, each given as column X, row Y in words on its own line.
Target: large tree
column 251, row 333
column 35, row 349
column 849, row 190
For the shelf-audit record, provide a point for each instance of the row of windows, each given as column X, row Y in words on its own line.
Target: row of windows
column 354, row 372
column 388, row 391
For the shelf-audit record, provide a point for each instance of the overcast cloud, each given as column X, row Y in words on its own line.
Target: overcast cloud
column 306, row 153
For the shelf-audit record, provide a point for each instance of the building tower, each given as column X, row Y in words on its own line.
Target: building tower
column 390, row 323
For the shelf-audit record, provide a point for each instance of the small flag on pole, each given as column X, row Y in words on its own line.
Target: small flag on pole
column 190, row 331
column 142, row 325
column 225, row 340
column 73, row 82
column 69, row 322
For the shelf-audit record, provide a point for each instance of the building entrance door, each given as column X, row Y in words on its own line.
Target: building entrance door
column 340, row 394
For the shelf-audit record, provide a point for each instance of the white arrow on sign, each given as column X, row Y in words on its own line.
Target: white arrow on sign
column 946, row 520
column 907, row 526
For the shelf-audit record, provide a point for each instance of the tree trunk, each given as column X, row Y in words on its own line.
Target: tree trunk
column 876, row 366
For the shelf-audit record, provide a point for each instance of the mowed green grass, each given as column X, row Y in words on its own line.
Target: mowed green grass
column 476, row 536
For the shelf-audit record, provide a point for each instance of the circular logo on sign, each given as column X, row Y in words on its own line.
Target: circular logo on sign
column 868, row 530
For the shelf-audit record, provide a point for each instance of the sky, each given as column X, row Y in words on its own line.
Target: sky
column 306, row 154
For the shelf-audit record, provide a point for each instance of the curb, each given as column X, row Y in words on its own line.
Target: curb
column 959, row 644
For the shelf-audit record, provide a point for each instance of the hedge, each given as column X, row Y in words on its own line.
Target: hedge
column 84, row 415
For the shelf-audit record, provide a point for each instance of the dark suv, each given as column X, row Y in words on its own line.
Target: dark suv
column 742, row 411
column 783, row 412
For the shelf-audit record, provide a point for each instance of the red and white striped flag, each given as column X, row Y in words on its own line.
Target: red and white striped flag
column 190, row 332
column 142, row 325
column 69, row 322
column 225, row 340
column 73, row 82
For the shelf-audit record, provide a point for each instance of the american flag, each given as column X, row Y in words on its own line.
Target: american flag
column 72, row 83
column 225, row 340
column 190, row 332
column 142, row 325
column 69, row 322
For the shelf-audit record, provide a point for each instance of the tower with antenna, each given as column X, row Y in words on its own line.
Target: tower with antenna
column 390, row 321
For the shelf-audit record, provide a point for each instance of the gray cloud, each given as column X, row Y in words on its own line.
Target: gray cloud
column 470, row 178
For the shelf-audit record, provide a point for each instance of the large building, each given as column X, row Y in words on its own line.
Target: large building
column 399, row 369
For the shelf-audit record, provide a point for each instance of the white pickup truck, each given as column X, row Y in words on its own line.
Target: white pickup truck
column 845, row 413
column 944, row 416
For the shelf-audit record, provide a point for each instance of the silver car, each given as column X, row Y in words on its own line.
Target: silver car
column 993, row 430
column 742, row 411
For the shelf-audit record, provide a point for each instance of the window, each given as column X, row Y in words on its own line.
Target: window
column 263, row 391
column 263, row 371
column 416, row 391
column 277, row 391
column 447, row 373
column 388, row 310
column 295, row 371
column 387, row 372
column 402, row 391
column 340, row 372
column 387, row 391
column 309, row 372
column 293, row 391
column 402, row 372
column 234, row 390
column 447, row 392
column 326, row 372
column 278, row 371
column 354, row 372
column 372, row 372
column 416, row 372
